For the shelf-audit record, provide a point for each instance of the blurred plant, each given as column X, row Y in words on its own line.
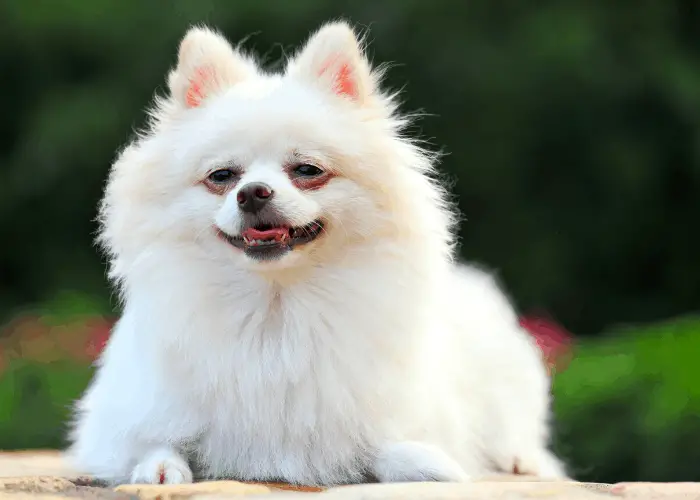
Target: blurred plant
column 39, row 339
column 69, row 327
column 628, row 406
column 46, row 360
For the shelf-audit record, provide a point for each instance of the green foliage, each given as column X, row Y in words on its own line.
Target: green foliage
column 36, row 400
column 572, row 131
column 628, row 406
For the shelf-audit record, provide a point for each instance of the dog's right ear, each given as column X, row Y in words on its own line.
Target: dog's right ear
column 207, row 65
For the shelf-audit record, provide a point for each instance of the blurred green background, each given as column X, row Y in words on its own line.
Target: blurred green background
column 573, row 137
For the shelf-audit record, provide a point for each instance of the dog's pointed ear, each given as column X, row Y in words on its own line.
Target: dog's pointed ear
column 333, row 58
column 207, row 65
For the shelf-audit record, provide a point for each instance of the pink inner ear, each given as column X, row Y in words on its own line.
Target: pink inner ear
column 343, row 81
column 200, row 83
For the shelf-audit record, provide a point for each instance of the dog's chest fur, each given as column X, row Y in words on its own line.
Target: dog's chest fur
column 289, row 383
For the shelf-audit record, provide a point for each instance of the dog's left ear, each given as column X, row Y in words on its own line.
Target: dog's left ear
column 333, row 59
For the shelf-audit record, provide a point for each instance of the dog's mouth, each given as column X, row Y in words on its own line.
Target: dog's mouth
column 270, row 242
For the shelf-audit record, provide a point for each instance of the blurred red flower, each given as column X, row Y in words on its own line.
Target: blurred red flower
column 553, row 339
column 99, row 331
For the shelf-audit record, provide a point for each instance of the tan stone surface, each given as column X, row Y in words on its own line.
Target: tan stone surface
column 45, row 476
column 34, row 463
column 223, row 489
column 41, row 484
column 513, row 490
column 686, row 491
column 291, row 487
column 16, row 488
column 273, row 495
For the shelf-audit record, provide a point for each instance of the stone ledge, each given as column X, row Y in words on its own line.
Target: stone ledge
column 43, row 475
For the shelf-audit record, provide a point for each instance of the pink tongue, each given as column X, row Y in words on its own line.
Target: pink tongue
column 276, row 233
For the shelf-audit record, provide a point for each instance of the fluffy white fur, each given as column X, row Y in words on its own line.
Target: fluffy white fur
column 367, row 352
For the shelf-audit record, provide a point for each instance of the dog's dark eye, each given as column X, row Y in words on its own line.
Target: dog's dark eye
column 307, row 170
column 222, row 176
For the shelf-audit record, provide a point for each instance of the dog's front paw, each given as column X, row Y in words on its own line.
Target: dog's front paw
column 410, row 461
column 163, row 466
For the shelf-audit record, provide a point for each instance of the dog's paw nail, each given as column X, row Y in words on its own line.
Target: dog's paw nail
column 162, row 472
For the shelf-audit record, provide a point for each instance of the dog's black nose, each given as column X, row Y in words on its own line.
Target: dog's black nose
column 254, row 196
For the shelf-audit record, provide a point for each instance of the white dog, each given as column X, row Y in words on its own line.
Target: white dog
column 292, row 310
